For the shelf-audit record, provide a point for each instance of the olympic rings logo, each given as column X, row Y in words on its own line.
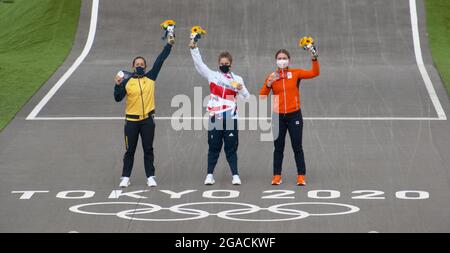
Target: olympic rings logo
column 232, row 214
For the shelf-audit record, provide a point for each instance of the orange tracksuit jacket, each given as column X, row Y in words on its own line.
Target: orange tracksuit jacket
column 287, row 87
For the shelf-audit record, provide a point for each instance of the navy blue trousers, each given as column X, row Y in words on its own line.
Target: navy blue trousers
column 221, row 131
column 292, row 122
column 146, row 129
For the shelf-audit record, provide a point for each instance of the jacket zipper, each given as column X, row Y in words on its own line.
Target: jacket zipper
column 223, row 91
column 142, row 99
column 284, row 88
column 223, row 96
column 296, row 103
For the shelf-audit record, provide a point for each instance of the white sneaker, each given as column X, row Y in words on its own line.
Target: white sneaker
column 209, row 179
column 125, row 182
column 151, row 181
column 236, row 180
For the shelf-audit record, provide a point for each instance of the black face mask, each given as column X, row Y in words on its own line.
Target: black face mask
column 225, row 68
column 140, row 71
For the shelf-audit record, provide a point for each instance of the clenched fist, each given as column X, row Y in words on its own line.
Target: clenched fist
column 192, row 44
column 119, row 78
column 171, row 39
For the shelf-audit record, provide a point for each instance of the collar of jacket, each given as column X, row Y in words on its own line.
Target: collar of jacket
column 134, row 75
column 282, row 70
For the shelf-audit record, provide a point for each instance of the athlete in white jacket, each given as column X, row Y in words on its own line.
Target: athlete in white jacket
column 224, row 87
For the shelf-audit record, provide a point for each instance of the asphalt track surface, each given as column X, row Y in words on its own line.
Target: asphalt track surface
column 394, row 140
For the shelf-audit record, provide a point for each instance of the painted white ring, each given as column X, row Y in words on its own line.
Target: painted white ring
column 251, row 209
column 301, row 215
column 352, row 209
column 125, row 215
column 76, row 209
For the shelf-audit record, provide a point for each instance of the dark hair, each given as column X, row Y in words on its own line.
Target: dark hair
column 137, row 58
column 284, row 51
column 226, row 55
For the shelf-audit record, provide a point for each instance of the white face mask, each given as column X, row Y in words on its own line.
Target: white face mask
column 282, row 63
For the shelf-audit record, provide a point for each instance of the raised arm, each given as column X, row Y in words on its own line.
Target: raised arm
column 315, row 71
column 200, row 66
column 153, row 73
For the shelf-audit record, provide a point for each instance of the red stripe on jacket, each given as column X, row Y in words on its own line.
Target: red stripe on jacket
column 218, row 91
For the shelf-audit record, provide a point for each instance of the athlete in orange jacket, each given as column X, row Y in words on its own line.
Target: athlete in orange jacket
column 284, row 83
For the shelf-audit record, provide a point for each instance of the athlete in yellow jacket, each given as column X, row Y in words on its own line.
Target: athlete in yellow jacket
column 139, row 90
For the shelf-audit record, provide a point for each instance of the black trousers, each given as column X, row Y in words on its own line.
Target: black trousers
column 146, row 129
column 223, row 132
column 292, row 122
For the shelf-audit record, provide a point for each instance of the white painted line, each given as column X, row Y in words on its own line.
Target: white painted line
column 77, row 118
column 373, row 118
column 75, row 65
column 252, row 118
column 423, row 71
column 94, row 16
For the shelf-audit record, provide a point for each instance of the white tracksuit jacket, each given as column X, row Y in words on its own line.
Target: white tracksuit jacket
column 223, row 94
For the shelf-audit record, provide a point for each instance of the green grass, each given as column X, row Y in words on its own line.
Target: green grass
column 438, row 25
column 35, row 38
